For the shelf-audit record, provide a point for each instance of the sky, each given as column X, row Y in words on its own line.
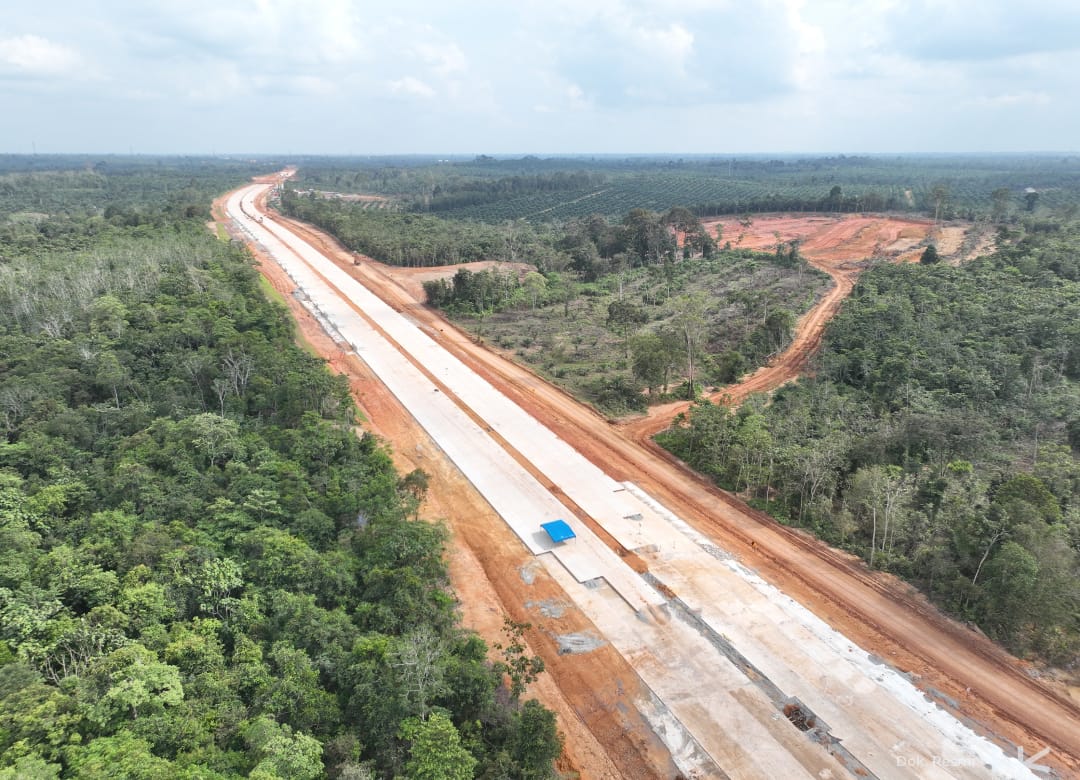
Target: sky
column 502, row 77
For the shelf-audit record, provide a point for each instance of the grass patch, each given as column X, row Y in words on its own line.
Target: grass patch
column 275, row 295
column 574, row 345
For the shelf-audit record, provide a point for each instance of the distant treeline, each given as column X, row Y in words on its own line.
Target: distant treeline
column 53, row 185
column 590, row 246
column 556, row 189
column 834, row 202
column 454, row 195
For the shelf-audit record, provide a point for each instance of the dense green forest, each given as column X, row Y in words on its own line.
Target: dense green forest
column 591, row 246
column 206, row 572
column 938, row 438
column 128, row 189
column 558, row 189
column 420, row 240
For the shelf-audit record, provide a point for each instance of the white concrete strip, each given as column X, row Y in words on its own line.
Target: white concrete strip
column 512, row 491
column 869, row 706
column 705, row 696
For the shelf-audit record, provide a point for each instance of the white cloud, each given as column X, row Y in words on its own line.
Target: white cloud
column 445, row 59
column 411, row 86
column 974, row 30
column 684, row 52
column 674, row 44
column 310, row 85
column 548, row 75
column 575, row 95
column 270, row 33
column 570, row 98
column 1010, row 100
column 810, row 46
column 33, row 55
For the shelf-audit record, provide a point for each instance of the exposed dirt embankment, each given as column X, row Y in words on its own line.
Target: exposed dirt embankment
column 605, row 736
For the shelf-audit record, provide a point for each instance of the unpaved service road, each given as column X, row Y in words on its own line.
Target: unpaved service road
column 829, row 244
column 737, row 679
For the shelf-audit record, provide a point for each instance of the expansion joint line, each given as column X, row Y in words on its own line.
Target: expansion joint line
column 797, row 713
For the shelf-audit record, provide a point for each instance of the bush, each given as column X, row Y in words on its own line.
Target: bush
column 619, row 394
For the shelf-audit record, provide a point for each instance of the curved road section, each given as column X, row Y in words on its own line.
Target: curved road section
column 745, row 682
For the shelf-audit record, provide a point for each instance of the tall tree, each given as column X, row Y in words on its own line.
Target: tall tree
column 939, row 197
column 435, row 750
column 622, row 317
column 650, row 360
column 690, row 322
column 1000, row 200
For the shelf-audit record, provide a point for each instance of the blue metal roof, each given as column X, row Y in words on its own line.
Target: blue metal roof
column 558, row 530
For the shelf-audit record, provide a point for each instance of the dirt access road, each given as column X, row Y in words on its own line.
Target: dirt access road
column 874, row 611
column 839, row 246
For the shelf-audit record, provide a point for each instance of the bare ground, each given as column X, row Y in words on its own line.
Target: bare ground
column 604, row 737
column 839, row 246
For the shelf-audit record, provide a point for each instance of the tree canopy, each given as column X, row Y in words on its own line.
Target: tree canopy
column 187, row 589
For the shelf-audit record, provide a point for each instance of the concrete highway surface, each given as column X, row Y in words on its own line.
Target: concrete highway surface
column 745, row 682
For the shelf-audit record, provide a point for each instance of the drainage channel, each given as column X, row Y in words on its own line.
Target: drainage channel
column 796, row 712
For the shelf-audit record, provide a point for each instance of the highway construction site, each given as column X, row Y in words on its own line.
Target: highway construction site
column 684, row 634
